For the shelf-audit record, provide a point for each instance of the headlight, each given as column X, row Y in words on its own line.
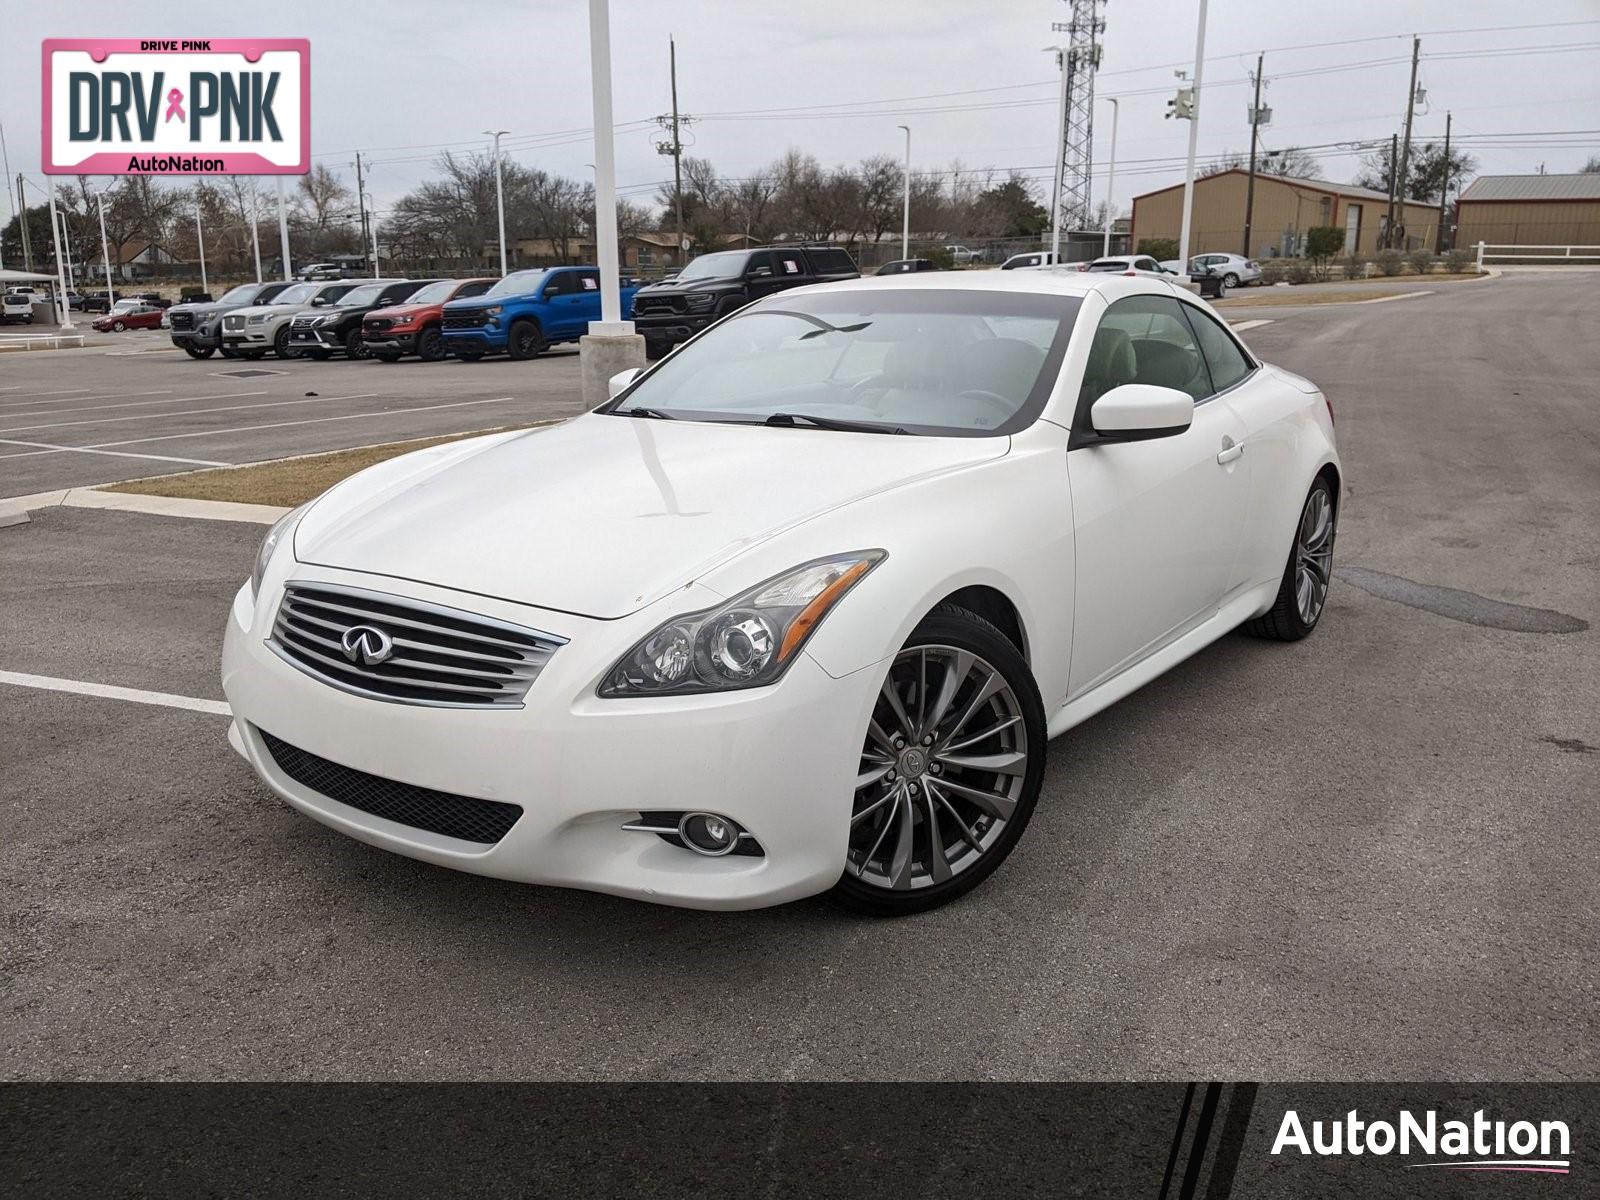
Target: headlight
column 494, row 310
column 400, row 322
column 260, row 319
column 327, row 320
column 280, row 533
column 747, row 642
column 700, row 300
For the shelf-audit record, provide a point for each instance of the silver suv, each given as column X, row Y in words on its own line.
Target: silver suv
column 251, row 332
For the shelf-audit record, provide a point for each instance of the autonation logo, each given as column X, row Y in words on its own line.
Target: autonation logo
column 1476, row 1145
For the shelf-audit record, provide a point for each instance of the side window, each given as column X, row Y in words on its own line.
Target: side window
column 477, row 288
column 1227, row 363
column 1143, row 339
column 588, row 281
column 789, row 265
column 562, row 284
column 759, row 259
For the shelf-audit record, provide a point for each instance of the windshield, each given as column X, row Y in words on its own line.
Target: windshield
column 517, row 283
column 300, row 293
column 727, row 265
column 435, row 293
column 367, row 294
column 240, row 295
column 1110, row 264
column 933, row 362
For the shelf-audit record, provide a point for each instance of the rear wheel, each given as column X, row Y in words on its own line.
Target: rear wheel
column 430, row 344
column 199, row 351
column 950, row 769
column 526, row 340
column 1230, row 280
column 1303, row 593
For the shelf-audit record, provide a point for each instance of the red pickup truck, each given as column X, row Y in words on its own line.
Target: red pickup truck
column 413, row 327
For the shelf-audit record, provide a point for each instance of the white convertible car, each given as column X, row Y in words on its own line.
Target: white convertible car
column 800, row 607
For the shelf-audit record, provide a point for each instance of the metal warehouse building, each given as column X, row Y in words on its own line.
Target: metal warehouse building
column 1530, row 210
column 1285, row 209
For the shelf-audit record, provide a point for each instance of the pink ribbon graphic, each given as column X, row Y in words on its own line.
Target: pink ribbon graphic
column 175, row 105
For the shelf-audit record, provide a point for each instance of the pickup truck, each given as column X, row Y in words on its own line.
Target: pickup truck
column 413, row 327
column 525, row 313
column 197, row 327
column 714, row 285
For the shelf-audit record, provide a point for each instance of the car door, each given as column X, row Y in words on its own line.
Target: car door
column 761, row 275
column 563, row 305
column 1159, row 521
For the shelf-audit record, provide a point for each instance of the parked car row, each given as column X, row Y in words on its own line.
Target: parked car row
column 521, row 315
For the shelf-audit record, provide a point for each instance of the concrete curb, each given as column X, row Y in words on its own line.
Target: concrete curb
column 161, row 506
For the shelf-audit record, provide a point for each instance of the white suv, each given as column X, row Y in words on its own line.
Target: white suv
column 17, row 306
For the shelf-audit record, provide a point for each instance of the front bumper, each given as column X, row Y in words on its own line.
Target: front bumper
column 671, row 328
column 314, row 339
column 781, row 761
column 390, row 342
column 199, row 339
column 474, row 341
column 250, row 337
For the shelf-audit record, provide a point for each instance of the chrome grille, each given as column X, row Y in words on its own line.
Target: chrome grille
column 233, row 324
column 443, row 657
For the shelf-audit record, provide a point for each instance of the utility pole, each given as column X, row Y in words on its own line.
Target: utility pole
column 1194, row 136
column 674, row 145
column 22, row 223
column 361, row 199
column 1444, row 187
column 1405, row 150
column 1255, row 138
column 1061, row 159
column 1394, row 157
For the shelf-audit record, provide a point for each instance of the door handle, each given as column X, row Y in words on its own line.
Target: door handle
column 1230, row 451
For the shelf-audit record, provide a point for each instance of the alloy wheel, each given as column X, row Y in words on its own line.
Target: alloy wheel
column 942, row 770
column 1313, row 555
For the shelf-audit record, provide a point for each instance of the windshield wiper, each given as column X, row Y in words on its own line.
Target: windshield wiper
column 641, row 410
column 795, row 420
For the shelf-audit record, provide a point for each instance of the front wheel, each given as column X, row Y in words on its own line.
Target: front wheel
column 227, row 353
column 280, row 344
column 354, row 347
column 1230, row 280
column 119, row 326
column 430, row 345
column 525, row 341
column 199, row 351
column 950, row 769
column 1304, row 590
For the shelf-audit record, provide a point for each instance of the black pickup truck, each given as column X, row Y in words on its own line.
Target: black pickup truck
column 713, row 285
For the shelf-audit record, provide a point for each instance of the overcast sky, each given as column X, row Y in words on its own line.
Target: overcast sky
column 400, row 78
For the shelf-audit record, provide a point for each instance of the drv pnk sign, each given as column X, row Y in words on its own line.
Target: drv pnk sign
column 213, row 106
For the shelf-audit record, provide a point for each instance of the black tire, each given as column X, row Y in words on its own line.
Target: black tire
column 949, row 625
column 199, row 351
column 656, row 350
column 430, row 345
column 280, row 343
column 1230, row 280
column 119, row 327
column 1284, row 622
column 526, row 340
column 354, row 347
column 226, row 352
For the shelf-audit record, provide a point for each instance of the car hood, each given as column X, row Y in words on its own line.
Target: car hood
column 276, row 310
column 603, row 515
column 403, row 310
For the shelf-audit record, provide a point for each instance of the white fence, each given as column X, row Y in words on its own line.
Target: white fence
column 1537, row 253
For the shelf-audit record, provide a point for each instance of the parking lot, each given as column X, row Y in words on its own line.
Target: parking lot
column 74, row 418
column 1369, row 854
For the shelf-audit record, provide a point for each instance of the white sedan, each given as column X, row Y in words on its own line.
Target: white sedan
column 799, row 608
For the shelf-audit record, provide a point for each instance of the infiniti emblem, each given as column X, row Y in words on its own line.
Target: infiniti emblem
column 367, row 645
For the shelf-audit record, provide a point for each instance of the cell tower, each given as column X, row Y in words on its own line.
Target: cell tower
column 1082, row 57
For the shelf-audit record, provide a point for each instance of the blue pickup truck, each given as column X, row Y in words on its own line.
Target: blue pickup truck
column 526, row 312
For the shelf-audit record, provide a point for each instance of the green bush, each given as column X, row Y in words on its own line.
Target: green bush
column 939, row 257
column 1421, row 260
column 1300, row 270
column 1458, row 260
column 1160, row 249
column 1389, row 262
column 1274, row 270
column 1355, row 266
column 190, row 290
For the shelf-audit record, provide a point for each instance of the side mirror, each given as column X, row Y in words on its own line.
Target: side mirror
column 619, row 382
column 1135, row 412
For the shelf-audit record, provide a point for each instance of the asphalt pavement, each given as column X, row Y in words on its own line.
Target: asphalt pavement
column 1368, row 855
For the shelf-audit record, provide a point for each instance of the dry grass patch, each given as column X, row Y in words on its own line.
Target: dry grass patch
column 285, row 482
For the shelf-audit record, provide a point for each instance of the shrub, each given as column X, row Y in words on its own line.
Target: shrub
column 1355, row 266
column 189, row 290
column 1421, row 260
column 1160, row 249
column 1322, row 243
column 1458, row 260
column 1300, row 270
column 1389, row 262
column 1274, row 270
column 939, row 257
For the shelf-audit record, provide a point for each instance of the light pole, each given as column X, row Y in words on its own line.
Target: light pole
column 255, row 231
column 200, row 241
column 61, row 268
column 5, row 160
column 905, row 220
column 283, row 230
column 1061, row 158
column 66, row 241
column 1111, row 178
column 1194, row 137
column 499, row 195
column 105, row 250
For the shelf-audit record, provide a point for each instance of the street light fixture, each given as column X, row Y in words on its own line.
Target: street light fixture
column 499, row 195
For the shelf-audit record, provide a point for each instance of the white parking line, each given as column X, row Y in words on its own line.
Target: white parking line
column 106, row 691
column 51, row 448
column 192, row 412
column 1243, row 325
column 388, row 412
column 13, row 402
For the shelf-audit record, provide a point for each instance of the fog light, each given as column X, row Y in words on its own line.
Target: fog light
column 707, row 833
